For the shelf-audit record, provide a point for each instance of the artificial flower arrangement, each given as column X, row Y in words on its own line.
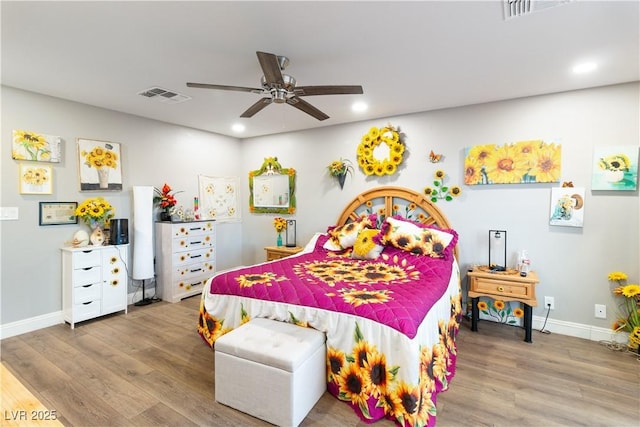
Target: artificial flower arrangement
column 339, row 169
column 280, row 224
column 165, row 197
column 389, row 136
column 95, row 212
column 441, row 191
column 629, row 315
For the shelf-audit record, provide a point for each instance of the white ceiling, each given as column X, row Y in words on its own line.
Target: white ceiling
column 408, row 56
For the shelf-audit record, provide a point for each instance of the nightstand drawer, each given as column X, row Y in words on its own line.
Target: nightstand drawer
column 277, row 252
column 501, row 287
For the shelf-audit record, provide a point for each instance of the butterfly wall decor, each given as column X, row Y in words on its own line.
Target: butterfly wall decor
column 434, row 158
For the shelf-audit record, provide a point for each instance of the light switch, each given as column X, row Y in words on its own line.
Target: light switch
column 9, row 213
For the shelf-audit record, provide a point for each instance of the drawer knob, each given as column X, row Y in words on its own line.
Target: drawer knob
column 500, row 288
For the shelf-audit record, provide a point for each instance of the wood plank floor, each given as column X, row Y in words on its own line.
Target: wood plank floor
column 150, row 368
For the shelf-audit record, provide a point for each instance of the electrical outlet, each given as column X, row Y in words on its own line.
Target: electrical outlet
column 601, row 311
column 549, row 303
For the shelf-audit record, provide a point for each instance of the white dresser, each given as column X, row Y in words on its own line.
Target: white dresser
column 185, row 258
column 94, row 281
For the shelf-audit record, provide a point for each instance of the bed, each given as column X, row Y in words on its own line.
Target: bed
column 383, row 283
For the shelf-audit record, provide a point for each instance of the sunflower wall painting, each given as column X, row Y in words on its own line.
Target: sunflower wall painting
column 615, row 168
column 100, row 165
column 219, row 198
column 567, row 206
column 507, row 312
column 33, row 146
column 523, row 162
column 35, row 178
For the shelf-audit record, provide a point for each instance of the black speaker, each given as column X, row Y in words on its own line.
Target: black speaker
column 119, row 231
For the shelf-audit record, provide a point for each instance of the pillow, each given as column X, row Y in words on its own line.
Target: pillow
column 343, row 237
column 365, row 247
column 416, row 238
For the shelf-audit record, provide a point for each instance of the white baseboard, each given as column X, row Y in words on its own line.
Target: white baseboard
column 29, row 325
column 39, row 322
column 592, row 333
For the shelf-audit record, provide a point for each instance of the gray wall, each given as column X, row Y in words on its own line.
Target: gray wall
column 572, row 263
column 153, row 153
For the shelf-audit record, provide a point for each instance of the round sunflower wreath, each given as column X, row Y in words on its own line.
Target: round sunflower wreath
column 388, row 135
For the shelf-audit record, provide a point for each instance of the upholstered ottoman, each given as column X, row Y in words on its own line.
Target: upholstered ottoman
column 275, row 371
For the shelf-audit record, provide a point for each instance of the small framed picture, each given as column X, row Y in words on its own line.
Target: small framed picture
column 58, row 213
column 35, row 178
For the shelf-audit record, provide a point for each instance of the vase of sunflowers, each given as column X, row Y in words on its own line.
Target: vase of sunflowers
column 96, row 212
column 280, row 224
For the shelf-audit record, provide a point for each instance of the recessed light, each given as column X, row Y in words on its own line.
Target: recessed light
column 585, row 67
column 238, row 127
column 359, row 107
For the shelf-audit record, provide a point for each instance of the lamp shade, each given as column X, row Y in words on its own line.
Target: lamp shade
column 143, row 233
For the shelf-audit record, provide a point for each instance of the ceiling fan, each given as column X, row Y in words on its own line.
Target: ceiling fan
column 281, row 88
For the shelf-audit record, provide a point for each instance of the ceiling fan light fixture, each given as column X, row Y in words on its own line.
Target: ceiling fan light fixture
column 279, row 96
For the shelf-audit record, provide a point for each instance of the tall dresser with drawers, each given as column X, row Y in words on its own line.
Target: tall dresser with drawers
column 94, row 282
column 185, row 258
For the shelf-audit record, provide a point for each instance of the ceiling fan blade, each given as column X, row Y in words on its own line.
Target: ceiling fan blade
column 223, row 87
column 258, row 106
column 328, row 90
column 271, row 68
column 303, row 105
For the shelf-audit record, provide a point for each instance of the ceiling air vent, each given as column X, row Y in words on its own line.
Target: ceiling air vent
column 163, row 95
column 515, row 8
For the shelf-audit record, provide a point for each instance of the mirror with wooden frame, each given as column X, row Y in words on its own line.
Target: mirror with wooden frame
column 272, row 188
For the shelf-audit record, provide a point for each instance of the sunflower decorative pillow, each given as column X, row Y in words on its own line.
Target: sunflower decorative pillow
column 344, row 236
column 416, row 238
column 380, row 151
column 365, row 246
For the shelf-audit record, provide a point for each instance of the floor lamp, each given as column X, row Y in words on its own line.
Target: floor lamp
column 143, row 238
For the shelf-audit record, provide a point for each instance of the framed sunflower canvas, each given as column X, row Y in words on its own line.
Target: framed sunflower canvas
column 35, row 179
column 567, row 206
column 33, row 146
column 99, row 165
column 615, row 168
column 523, row 162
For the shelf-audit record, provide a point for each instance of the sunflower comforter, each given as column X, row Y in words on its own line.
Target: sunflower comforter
column 390, row 323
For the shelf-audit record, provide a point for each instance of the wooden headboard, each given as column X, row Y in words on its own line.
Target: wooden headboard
column 389, row 201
